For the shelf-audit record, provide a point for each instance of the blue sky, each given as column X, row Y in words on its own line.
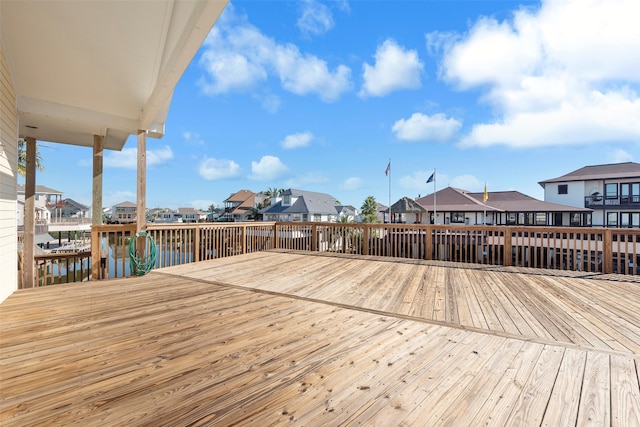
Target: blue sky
column 321, row 96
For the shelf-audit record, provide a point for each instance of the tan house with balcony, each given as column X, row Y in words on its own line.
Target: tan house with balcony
column 123, row 213
column 48, row 203
column 242, row 205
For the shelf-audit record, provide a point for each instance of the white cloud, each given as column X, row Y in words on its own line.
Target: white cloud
column 564, row 73
column 306, row 180
column 271, row 103
column 467, row 182
column 395, row 68
column 192, row 138
column 619, row 156
column 114, row 197
column 297, row 140
column 238, row 57
column 315, row 18
column 595, row 118
column 307, row 74
column 420, row 127
column 160, row 156
column 417, row 182
column 214, row 169
column 352, row 183
column 128, row 158
column 268, row 168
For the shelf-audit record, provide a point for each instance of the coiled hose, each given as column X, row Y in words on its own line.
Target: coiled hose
column 142, row 265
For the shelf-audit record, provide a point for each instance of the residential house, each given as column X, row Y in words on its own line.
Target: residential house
column 71, row 209
column 48, row 204
column 382, row 212
column 456, row 206
column 190, row 214
column 243, row 205
column 346, row 213
column 303, row 206
column 611, row 191
column 123, row 213
column 163, row 215
column 407, row 210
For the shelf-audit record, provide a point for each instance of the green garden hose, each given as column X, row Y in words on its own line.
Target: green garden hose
column 142, row 265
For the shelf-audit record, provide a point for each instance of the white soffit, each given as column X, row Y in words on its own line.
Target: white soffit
column 99, row 67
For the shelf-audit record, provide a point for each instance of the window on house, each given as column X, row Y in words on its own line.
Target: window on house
column 575, row 219
column 541, row 218
column 563, row 189
column 317, row 217
column 625, row 219
column 612, row 219
column 457, row 217
column 286, row 200
column 635, row 192
column 296, row 217
column 611, row 191
column 630, row 219
column 511, row 218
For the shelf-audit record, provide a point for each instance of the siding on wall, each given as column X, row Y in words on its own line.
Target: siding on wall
column 8, row 182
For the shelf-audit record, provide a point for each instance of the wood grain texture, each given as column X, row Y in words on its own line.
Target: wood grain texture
column 275, row 338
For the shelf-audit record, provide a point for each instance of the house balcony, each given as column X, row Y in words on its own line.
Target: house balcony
column 599, row 202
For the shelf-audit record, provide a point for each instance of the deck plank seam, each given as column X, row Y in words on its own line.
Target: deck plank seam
column 378, row 312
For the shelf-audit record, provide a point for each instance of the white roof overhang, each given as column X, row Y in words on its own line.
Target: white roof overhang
column 99, row 67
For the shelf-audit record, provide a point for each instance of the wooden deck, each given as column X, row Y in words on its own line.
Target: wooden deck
column 276, row 338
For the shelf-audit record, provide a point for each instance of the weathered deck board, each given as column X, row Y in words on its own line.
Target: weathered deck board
column 278, row 338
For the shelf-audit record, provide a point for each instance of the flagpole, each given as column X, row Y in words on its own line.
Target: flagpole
column 435, row 212
column 389, row 169
column 485, row 197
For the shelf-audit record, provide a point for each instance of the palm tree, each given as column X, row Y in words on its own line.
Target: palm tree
column 272, row 193
column 22, row 157
column 369, row 210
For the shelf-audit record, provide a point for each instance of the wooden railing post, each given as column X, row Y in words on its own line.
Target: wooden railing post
column 275, row 236
column 507, row 247
column 428, row 243
column 314, row 237
column 196, row 243
column 366, row 232
column 607, row 251
column 95, row 253
column 244, row 239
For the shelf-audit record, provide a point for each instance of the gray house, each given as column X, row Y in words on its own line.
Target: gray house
column 303, row 206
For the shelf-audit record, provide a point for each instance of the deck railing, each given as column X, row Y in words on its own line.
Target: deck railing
column 597, row 250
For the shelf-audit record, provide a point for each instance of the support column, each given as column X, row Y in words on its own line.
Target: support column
column 96, row 210
column 141, row 217
column 29, row 214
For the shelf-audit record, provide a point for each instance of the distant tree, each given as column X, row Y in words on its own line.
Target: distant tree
column 272, row 193
column 369, row 210
column 22, row 157
column 254, row 212
column 211, row 208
